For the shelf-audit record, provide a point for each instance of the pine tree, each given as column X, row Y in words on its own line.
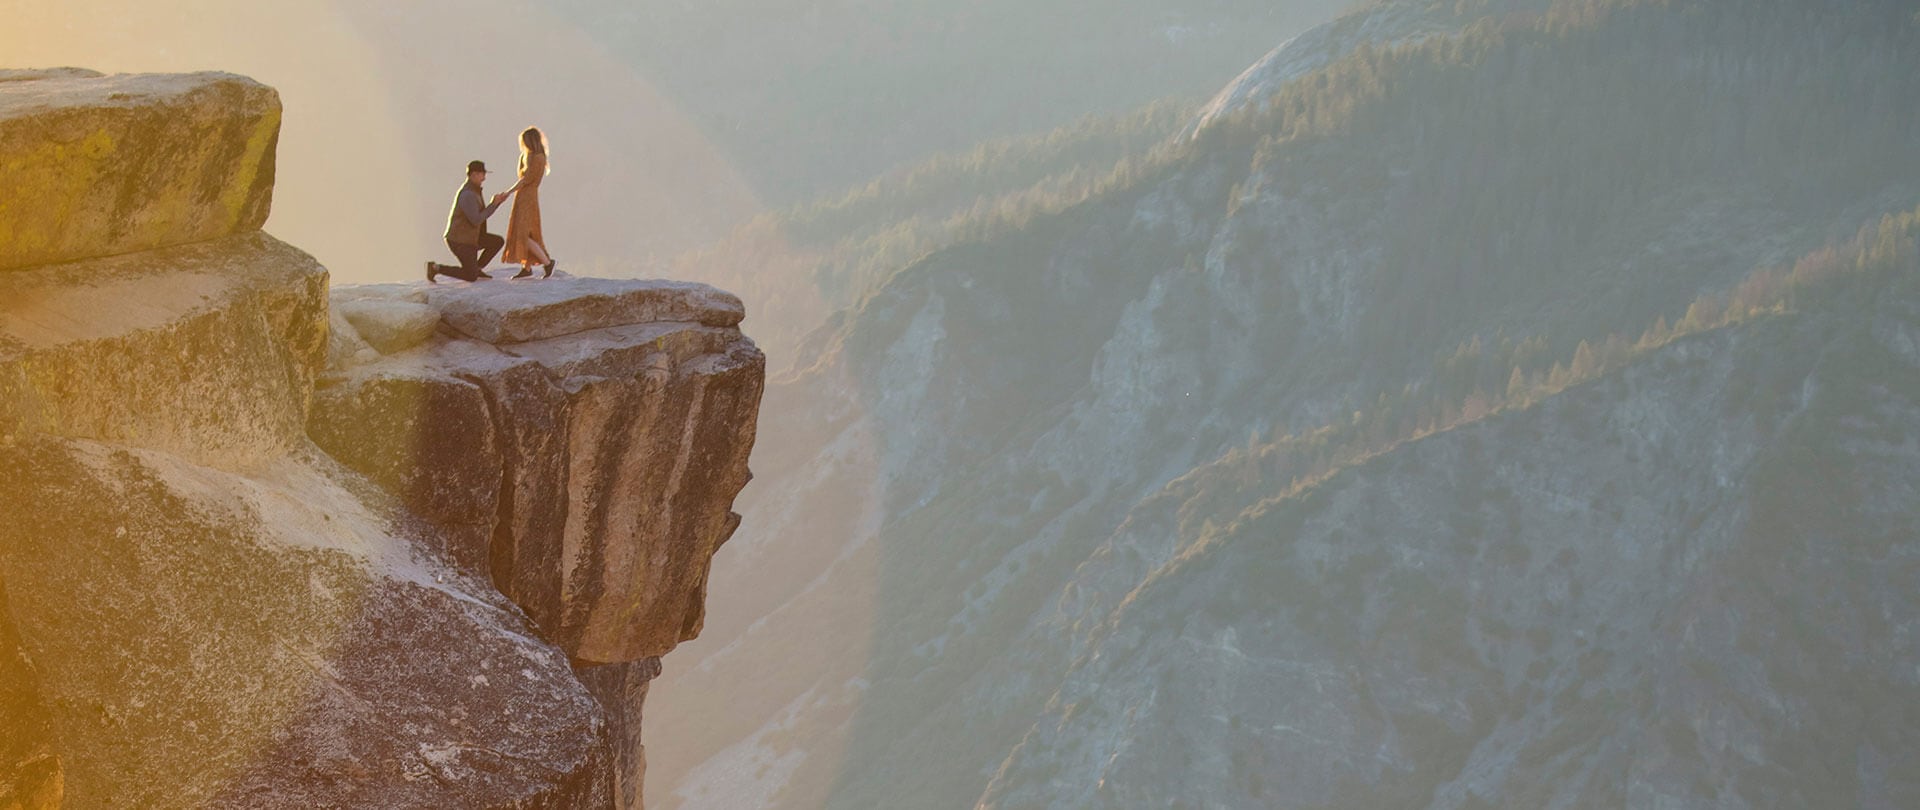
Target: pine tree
column 1516, row 387
column 1585, row 364
column 1657, row 334
column 1558, row 378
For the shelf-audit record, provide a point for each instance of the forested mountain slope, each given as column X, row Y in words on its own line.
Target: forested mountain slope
column 1676, row 573
column 1374, row 255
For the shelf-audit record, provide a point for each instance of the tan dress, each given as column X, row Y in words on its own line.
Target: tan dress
column 523, row 224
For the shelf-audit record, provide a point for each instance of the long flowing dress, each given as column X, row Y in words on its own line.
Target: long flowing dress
column 523, row 224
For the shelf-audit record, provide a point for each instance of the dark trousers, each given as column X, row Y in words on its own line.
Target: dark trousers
column 473, row 258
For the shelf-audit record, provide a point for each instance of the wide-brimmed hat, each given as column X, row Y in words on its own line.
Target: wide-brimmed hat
column 476, row 166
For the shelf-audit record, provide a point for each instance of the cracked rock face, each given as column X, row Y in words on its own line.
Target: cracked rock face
column 103, row 165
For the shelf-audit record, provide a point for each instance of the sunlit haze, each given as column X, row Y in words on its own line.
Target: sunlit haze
column 386, row 102
column 934, row 404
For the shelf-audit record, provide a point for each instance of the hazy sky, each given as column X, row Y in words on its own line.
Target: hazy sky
column 387, row 101
column 670, row 121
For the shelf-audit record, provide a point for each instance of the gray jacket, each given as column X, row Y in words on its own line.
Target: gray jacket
column 468, row 219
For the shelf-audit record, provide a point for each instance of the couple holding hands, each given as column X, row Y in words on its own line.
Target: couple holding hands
column 467, row 233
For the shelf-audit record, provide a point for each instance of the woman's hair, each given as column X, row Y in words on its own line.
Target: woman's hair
column 533, row 141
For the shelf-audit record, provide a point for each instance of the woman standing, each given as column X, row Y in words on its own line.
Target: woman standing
column 525, row 244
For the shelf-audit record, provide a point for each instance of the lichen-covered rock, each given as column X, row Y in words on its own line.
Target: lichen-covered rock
column 592, row 470
column 103, row 165
column 271, row 640
column 207, row 350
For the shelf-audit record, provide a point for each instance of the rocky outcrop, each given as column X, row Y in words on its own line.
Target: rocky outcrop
column 199, row 606
column 102, row 165
column 214, row 612
column 583, row 457
column 588, row 449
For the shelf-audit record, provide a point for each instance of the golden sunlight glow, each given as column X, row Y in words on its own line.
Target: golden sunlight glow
column 386, row 102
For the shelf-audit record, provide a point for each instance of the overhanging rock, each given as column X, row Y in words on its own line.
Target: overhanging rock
column 590, row 468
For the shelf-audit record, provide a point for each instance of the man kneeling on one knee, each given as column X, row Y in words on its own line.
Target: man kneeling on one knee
column 467, row 233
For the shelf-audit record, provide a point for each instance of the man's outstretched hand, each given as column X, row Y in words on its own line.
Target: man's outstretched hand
column 498, row 197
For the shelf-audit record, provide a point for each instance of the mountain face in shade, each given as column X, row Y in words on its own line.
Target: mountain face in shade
column 1423, row 434
column 1683, row 582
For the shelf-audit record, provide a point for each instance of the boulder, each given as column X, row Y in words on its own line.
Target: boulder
column 345, row 348
column 207, row 351
column 104, row 165
column 390, row 326
column 344, row 294
column 274, row 639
